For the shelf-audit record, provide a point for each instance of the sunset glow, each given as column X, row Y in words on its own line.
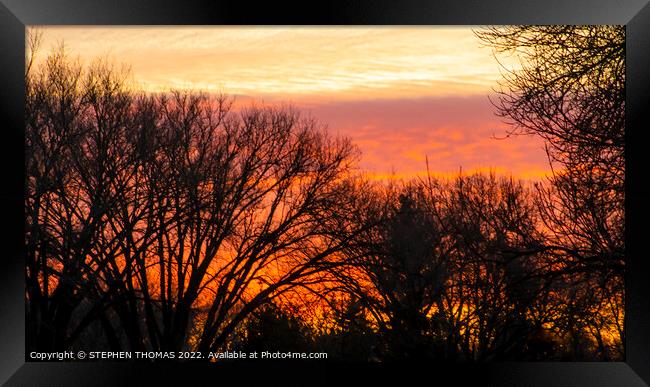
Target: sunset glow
column 371, row 194
column 402, row 94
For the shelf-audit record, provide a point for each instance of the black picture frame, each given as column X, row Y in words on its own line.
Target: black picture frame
column 16, row 14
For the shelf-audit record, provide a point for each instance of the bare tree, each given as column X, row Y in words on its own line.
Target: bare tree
column 570, row 91
column 75, row 169
column 449, row 269
column 155, row 215
column 497, row 264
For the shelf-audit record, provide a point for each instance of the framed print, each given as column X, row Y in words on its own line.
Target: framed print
column 324, row 193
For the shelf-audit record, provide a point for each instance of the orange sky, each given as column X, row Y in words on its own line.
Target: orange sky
column 400, row 93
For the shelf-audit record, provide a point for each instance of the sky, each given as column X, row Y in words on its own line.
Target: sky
column 402, row 94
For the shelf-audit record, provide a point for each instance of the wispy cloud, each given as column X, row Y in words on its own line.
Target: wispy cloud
column 303, row 61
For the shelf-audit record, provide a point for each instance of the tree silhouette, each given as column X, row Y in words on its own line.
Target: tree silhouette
column 271, row 329
column 74, row 121
column 450, row 269
column 141, row 205
column 182, row 221
column 571, row 92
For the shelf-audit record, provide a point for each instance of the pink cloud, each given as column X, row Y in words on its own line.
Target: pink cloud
column 453, row 132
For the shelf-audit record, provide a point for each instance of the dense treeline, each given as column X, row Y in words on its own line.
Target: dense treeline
column 176, row 221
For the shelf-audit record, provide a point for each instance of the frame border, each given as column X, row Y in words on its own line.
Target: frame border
column 15, row 15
